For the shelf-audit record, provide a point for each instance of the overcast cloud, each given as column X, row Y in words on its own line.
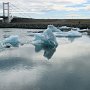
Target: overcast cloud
column 49, row 8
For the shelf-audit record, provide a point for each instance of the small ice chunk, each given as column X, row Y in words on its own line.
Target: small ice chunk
column 12, row 41
column 75, row 29
column 64, row 28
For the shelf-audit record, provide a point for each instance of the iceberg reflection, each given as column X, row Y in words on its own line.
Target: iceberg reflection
column 48, row 51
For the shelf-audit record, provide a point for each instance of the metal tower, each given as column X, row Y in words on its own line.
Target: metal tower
column 6, row 13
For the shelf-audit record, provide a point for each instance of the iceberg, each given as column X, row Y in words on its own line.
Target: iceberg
column 71, row 33
column 53, row 28
column 46, row 38
column 12, row 40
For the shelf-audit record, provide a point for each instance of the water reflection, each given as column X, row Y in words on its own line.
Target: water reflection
column 14, row 62
column 24, row 69
column 71, row 39
column 48, row 51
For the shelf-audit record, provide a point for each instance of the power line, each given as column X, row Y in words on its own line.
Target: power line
column 18, row 10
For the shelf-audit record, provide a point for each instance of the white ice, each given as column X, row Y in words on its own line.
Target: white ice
column 76, row 29
column 64, row 28
column 53, row 29
column 74, row 32
column 71, row 33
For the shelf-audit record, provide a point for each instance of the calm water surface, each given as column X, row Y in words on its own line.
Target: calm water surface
column 27, row 67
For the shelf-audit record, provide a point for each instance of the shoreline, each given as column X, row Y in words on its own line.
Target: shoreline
column 29, row 23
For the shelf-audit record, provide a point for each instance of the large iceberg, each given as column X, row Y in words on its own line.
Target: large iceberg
column 46, row 38
column 12, row 40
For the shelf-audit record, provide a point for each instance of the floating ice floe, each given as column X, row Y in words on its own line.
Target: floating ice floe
column 74, row 32
column 64, row 28
column 46, row 38
column 11, row 41
column 84, row 30
column 75, row 29
column 71, row 33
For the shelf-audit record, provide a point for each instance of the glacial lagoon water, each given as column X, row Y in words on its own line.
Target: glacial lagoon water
column 27, row 67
